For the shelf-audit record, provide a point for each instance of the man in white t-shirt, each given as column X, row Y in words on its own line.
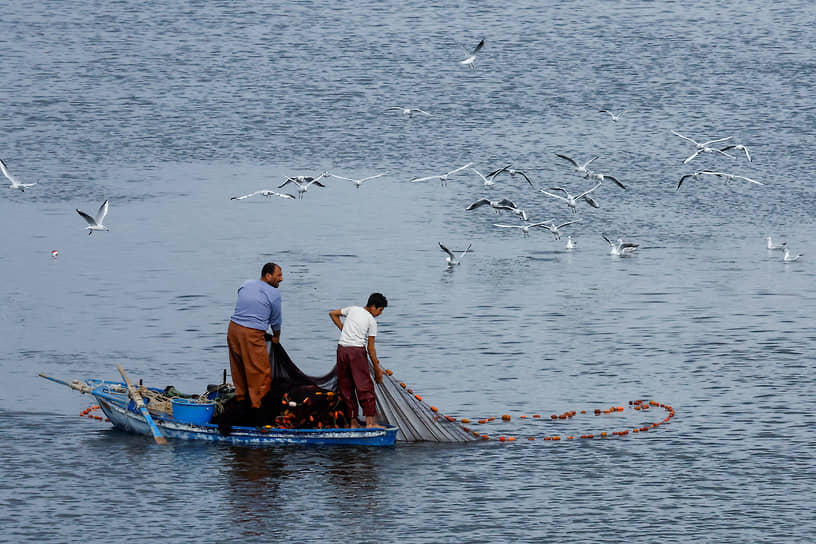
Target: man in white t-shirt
column 357, row 336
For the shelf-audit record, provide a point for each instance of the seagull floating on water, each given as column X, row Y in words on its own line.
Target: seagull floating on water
column 772, row 245
column 408, row 112
column 738, row 147
column 470, row 61
column 703, row 147
column 790, row 258
column 443, row 179
column 570, row 243
column 615, row 118
column 451, row 259
column 95, row 223
column 580, row 168
column 14, row 183
column 525, row 227
column 303, row 182
column 620, row 248
column 573, row 200
column 553, row 228
column 264, row 192
column 359, row 182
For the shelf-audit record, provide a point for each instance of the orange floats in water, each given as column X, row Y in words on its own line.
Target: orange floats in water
column 418, row 397
column 434, row 409
column 505, row 417
column 465, row 420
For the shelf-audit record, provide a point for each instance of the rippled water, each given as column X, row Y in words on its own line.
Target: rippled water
column 168, row 110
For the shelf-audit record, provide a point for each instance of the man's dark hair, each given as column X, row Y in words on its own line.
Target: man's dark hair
column 377, row 300
column 268, row 268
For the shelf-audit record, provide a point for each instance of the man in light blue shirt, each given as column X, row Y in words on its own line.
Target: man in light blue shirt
column 257, row 308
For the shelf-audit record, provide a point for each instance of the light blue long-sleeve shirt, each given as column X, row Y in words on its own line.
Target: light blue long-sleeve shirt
column 258, row 306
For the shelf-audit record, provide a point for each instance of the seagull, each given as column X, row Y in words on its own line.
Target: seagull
column 771, row 245
column 789, row 258
column 469, row 62
column 14, row 183
column 488, row 180
column 513, row 173
column 95, row 223
column 553, row 228
column 408, row 112
column 601, row 177
column 359, row 182
column 615, row 118
column 738, row 147
column 573, row 200
column 703, row 147
column 621, row 248
column 525, row 228
column 443, row 179
column 580, row 168
column 264, row 192
column 570, row 243
column 303, row 182
column 451, row 258
column 499, row 205
column 731, row 177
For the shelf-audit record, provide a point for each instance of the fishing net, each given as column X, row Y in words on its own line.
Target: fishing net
column 396, row 404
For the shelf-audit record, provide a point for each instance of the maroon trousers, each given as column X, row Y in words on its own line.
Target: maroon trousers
column 353, row 377
column 249, row 363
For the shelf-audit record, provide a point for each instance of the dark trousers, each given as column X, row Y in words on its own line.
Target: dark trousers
column 354, row 381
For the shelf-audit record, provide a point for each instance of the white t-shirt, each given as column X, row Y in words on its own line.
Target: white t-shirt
column 357, row 327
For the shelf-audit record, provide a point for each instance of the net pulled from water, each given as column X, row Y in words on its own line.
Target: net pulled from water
column 396, row 404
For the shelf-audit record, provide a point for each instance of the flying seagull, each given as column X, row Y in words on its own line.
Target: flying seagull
column 443, row 178
column 487, row 180
column 499, row 205
column 525, row 227
column 580, row 168
column 573, row 200
column 615, row 118
column 620, row 248
column 408, row 112
column 513, row 173
column 738, row 147
column 553, row 228
column 451, row 258
column 703, row 147
column 471, row 59
column 264, row 192
column 303, row 182
column 601, row 177
column 14, row 183
column 359, row 182
column 95, row 223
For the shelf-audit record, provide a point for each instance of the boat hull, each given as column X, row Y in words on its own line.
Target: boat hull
column 119, row 409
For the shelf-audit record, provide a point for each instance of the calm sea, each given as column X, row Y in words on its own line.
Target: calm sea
column 169, row 109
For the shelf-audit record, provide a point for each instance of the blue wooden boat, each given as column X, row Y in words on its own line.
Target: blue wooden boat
column 123, row 413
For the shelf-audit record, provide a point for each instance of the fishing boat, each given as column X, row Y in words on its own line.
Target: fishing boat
column 121, row 404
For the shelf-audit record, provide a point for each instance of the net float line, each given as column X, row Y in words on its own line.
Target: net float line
column 637, row 405
column 87, row 412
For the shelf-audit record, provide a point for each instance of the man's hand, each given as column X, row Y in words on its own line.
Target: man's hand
column 378, row 374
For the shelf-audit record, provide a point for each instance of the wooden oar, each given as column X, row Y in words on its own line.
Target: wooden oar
column 74, row 384
column 137, row 398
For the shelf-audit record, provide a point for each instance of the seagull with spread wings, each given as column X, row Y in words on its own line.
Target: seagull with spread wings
column 573, row 200
column 621, row 248
column 408, row 112
column 524, row 227
column 451, row 259
column 578, row 167
column 263, row 192
column 443, row 178
column 553, row 228
column 359, row 182
column 703, row 147
column 615, row 118
column 471, row 59
column 95, row 223
column 303, row 182
column 14, row 183
column 738, row 147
